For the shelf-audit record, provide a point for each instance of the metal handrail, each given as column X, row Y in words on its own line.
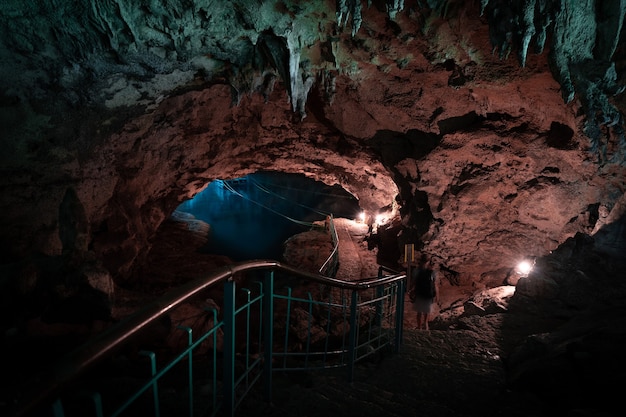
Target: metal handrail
column 49, row 383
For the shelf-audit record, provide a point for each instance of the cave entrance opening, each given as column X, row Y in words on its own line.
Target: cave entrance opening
column 251, row 217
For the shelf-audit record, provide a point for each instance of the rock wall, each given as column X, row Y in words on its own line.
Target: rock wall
column 129, row 108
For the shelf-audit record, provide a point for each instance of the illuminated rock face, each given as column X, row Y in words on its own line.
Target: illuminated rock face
column 135, row 106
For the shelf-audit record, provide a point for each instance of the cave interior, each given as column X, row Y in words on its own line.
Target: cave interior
column 488, row 132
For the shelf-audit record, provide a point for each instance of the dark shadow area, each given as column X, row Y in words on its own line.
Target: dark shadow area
column 566, row 325
column 396, row 146
column 560, row 137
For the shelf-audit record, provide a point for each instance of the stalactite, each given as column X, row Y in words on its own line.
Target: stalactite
column 528, row 28
column 354, row 8
column 514, row 24
column 341, row 13
column 394, row 7
column 585, row 35
column 502, row 26
column 595, row 81
column 347, row 8
column 293, row 47
column 483, row 6
column 544, row 21
column 300, row 74
column 357, row 18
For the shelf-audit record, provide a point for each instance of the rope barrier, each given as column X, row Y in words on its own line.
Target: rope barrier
column 308, row 191
column 266, row 190
column 232, row 190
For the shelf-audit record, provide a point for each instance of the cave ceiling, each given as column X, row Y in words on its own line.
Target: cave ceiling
column 494, row 128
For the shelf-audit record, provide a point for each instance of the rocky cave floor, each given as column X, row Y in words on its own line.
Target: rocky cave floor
column 436, row 373
column 458, row 368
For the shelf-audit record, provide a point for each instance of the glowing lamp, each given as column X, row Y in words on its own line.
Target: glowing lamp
column 524, row 267
column 362, row 216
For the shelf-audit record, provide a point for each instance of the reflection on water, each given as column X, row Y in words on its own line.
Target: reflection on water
column 251, row 217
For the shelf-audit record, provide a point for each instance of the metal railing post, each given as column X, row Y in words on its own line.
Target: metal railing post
column 97, row 403
column 57, row 408
column 353, row 335
column 189, row 332
column 399, row 315
column 155, row 383
column 378, row 318
column 229, row 348
column 268, row 333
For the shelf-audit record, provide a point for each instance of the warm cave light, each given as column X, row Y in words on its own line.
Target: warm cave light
column 362, row 216
column 524, row 267
column 380, row 219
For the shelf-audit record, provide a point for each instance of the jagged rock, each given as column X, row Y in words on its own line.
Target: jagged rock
column 471, row 308
column 100, row 279
column 491, row 301
column 538, row 286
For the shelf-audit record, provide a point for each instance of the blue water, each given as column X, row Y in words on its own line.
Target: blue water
column 251, row 217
